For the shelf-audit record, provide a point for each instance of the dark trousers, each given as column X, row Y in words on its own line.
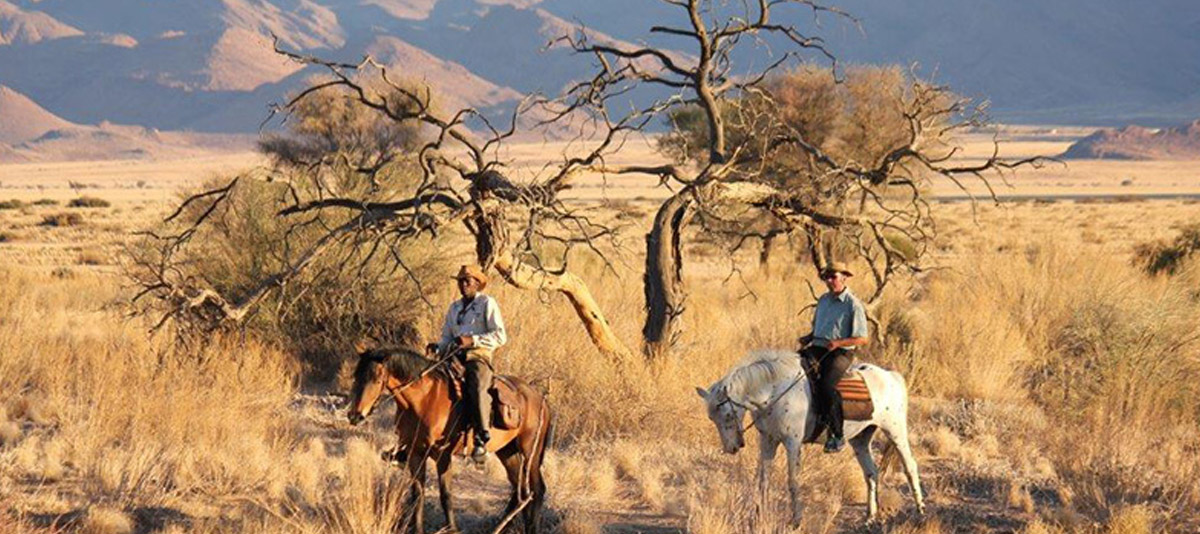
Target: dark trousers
column 476, row 381
column 830, row 365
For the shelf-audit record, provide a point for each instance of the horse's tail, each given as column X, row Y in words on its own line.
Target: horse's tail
column 890, row 458
column 548, row 440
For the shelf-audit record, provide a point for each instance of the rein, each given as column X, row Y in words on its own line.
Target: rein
column 759, row 413
column 425, row 372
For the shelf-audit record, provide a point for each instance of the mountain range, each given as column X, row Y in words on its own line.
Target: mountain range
column 208, row 65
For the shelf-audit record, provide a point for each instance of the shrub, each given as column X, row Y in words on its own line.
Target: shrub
column 1162, row 256
column 92, row 257
column 62, row 219
column 88, row 202
column 45, row 202
column 349, row 292
column 13, row 204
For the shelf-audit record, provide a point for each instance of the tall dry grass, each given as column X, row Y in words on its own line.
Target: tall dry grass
column 1059, row 379
column 96, row 412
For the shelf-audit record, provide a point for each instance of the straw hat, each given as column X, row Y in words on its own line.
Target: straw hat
column 472, row 271
column 836, row 267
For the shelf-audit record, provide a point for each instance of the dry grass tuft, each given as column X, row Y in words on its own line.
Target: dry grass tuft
column 942, row 442
column 88, row 202
column 62, row 219
column 1134, row 519
column 1037, row 526
column 930, row 525
column 580, row 523
column 106, row 521
column 10, row 432
column 1019, row 498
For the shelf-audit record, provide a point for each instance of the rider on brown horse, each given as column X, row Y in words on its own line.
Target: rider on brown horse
column 839, row 326
column 474, row 329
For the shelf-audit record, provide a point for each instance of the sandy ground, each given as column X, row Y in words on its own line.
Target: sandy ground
column 148, row 180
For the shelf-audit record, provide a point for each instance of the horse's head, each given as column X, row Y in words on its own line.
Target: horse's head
column 727, row 416
column 370, row 376
column 376, row 369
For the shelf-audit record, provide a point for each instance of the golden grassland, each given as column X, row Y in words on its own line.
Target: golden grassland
column 1055, row 390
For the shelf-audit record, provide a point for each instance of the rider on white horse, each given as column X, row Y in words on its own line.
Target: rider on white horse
column 839, row 326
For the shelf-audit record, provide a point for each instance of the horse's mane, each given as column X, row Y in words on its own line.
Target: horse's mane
column 401, row 362
column 759, row 368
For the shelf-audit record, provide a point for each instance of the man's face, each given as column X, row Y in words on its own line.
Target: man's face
column 468, row 287
column 835, row 281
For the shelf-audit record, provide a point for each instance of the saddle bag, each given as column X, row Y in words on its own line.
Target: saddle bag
column 506, row 403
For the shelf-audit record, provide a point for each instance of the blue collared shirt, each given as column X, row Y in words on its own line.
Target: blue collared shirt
column 838, row 317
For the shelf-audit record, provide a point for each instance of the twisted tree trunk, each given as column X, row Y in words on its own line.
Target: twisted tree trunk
column 663, row 282
column 577, row 293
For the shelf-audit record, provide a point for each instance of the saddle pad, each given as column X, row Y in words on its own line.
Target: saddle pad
column 853, row 388
column 856, row 398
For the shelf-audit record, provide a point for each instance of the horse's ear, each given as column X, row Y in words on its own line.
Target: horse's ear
column 701, row 391
column 364, row 344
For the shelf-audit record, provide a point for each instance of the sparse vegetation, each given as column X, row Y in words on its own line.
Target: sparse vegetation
column 1169, row 256
column 88, row 202
column 62, row 219
column 12, row 204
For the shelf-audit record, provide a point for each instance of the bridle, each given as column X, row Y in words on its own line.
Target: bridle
column 393, row 390
column 759, row 412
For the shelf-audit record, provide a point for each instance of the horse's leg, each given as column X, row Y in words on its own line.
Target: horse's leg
column 511, row 458
column 416, row 499
column 767, row 446
column 537, row 488
column 445, row 478
column 794, row 464
column 899, row 436
column 862, row 451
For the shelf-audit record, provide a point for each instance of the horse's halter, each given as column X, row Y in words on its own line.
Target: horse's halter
column 394, row 390
column 758, row 412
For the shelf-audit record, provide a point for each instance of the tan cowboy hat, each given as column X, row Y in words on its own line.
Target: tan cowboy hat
column 836, row 267
column 472, row 271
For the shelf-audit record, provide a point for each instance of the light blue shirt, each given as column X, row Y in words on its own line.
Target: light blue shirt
column 838, row 317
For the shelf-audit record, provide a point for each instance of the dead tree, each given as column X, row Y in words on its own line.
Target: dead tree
column 732, row 161
column 461, row 185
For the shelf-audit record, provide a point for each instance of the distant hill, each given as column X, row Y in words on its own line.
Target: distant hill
column 30, row 133
column 1139, row 143
column 20, row 27
column 208, row 65
column 21, row 119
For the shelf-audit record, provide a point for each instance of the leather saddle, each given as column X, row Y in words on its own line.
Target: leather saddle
column 506, row 396
column 856, row 404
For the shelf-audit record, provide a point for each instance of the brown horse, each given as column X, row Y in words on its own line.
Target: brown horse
column 432, row 425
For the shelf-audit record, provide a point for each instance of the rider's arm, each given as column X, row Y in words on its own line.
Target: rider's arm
column 496, row 336
column 859, row 335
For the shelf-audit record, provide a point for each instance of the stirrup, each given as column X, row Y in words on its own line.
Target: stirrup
column 834, row 444
column 479, row 454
